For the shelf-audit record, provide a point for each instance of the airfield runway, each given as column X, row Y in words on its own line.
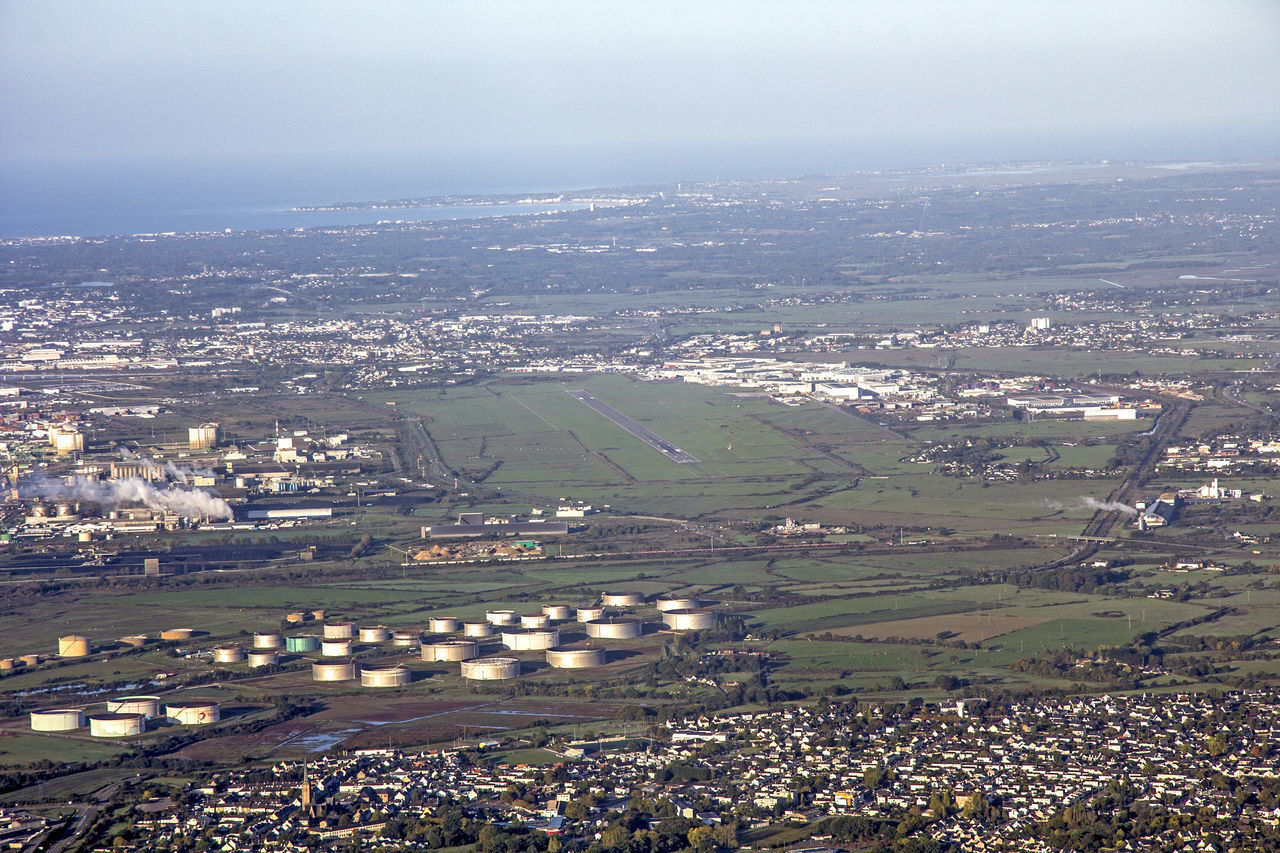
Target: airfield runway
column 643, row 433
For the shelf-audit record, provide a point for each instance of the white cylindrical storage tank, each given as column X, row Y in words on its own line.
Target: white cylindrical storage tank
column 268, row 640
column 406, row 639
column 490, row 669
column 334, row 670
column 622, row 599
column 615, row 628
column 57, row 720
column 73, row 646
column 690, row 619
column 263, row 658
column 176, row 635
column 339, row 630
column 228, row 654
column 396, row 675
column 148, row 706
column 558, row 612
column 193, row 713
column 450, row 650
column 302, row 643
column 335, row 648
column 524, row 639
column 535, row 620
column 670, row 602
column 443, row 624
column 591, row 614
column 576, row 658
column 375, row 634
column 116, row 725
column 500, row 617
column 477, row 629
column 135, row 640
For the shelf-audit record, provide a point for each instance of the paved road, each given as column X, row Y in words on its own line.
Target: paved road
column 641, row 432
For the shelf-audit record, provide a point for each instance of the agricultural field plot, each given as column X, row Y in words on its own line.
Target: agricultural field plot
column 970, row 627
column 847, row 613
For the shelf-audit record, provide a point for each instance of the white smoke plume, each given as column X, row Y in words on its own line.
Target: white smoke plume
column 166, row 471
column 191, row 503
column 1093, row 503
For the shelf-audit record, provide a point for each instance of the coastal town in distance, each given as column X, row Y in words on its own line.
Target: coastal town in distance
column 914, row 510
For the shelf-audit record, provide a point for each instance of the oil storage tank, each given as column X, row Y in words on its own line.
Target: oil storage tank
column 335, row 648
column 500, row 617
column 477, row 629
column 116, row 725
column 268, row 640
column 148, row 706
column 375, row 634
column 622, row 599
column 263, row 658
column 558, row 612
column 406, row 639
column 615, row 628
column 534, row 620
column 344, row 670
column 193, row 713
column 302, row 643
column 57, row 720
column 690, row 619
column 576, row 657
column 671, row 602
column 450, row 650
column 443, row 624
column 591, row 614
column 228, row 654
column 176, row 635
column 394, row 675
column 73, row 646
column 524, row 639
column 490, row 669
column 339, row 630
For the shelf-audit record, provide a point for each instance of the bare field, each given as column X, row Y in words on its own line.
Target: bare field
column 970, row 627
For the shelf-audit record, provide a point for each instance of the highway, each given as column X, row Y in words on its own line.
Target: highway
column 641, row 432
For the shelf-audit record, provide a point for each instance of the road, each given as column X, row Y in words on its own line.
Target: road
column 641, row 432
column 88, row 813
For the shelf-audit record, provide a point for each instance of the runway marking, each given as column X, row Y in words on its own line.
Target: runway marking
column 648, row 436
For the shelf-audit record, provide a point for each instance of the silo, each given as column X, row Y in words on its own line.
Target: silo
column 375, row 634
column 580, row 657
column 690, row 619
column 591, row 614
column 443, row 624
column 73, row 646
column 406, row 639
column 615, row 628
column 268, row 640
column 395, row 675
column 176, row 635
column 335, row 648
column 57, row 720
column 148, row 706
column 558, row 612
column 339, row 630
column 263, row 658
column 622, row 599
column 535, row 620
column 202, row 437
column 477, row 629
column 490, row 669
column 116, row 725
column 135, row 640
column 500, row 617
column 193, row 713
column 671, row 602
column 525, row 639
column 450, row 650
column 228, row 654
column 344, row 670
column 302, row 643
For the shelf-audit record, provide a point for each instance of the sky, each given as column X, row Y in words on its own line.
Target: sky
column 265, row 79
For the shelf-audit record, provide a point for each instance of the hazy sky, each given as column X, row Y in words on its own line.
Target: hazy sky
column 166, row 77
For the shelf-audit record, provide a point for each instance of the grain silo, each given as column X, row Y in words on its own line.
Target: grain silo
column 116, row 725
column 450, row 650
column 490, row 669
column 690, row 619
column 148, row 706
column 535, row 620
column 394, row 675
column 73, row 646
column 671, row 602
column 335, row 648
column 344, row 670
column 615, row 628
column 443, row 624
column 57, row 720
column 268, row 640
column 579, row 657
column 302, row 643
column 477, row 629
column 263, row 658
column 558, row 612
column 228, row 654
column 339, row 630
column 525, row 639
column 375, row 634
column 193, row 713
column 622, row 599
column 500, row 617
